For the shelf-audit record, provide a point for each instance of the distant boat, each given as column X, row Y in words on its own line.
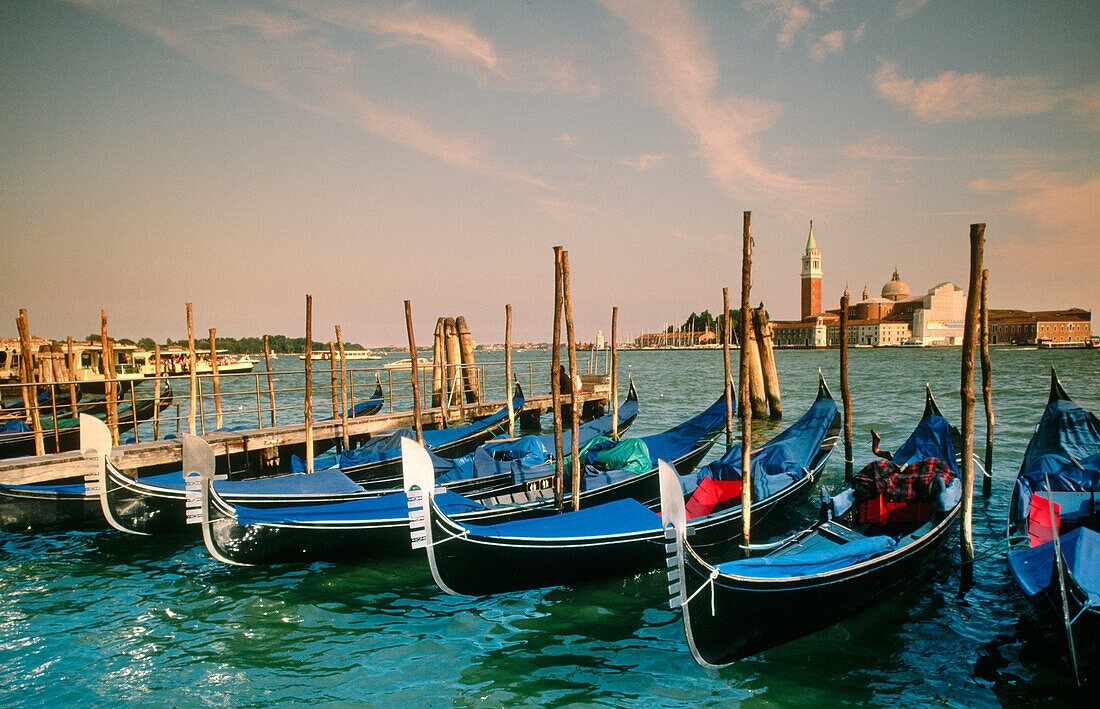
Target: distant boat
column 348, row 355
column 407, row 363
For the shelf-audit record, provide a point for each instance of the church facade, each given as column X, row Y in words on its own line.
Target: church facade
column 896, row 318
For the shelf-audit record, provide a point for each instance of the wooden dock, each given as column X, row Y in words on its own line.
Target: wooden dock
column 134, row 456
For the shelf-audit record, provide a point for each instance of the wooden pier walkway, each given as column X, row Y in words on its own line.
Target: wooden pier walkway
column 59, row 466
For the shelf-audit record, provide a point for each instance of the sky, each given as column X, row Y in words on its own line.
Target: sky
column 239, row 155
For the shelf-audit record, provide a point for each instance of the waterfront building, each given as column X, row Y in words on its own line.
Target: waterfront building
column 934, row 318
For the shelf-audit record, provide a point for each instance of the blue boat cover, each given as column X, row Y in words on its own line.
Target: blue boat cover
column 930, row 439
column 526, row 458
column 319, row 483
column 1033, row 567
column 679, row 440
column 71, row 489
column 394, row 506
column 14, row 426
column 809, row 563
column 782, row 460
column 614, row 518
column 1065, row 430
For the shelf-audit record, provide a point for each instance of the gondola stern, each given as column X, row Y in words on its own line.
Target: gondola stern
column 419, row 482
column 823, row 391
column 1057, row 393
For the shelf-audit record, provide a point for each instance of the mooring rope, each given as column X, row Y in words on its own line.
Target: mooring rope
column 709, row 582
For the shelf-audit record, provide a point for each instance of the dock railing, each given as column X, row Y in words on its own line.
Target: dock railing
column 155, row 408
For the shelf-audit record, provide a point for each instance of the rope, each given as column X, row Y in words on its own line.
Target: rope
column 448, row 538
column 709, row 582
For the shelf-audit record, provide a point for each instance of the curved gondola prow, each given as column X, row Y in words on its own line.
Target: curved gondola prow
column 198, row 479
column 823, row 391
column 95, row 446
column 931, row 408
column 1057, row 393
column 419, row 480
column 632, row 393
column 674, row 520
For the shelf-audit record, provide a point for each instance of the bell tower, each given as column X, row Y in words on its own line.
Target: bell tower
column 811, row 278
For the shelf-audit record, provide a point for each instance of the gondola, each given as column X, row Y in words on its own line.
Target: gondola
column 376, row 462
column 877, row 537
column 18, row 440
column 156, row 504
column 65, row 504
column 379, row 526
column 621, row 537
column 1053, row 528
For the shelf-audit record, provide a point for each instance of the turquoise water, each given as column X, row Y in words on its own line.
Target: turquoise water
column 112, row 619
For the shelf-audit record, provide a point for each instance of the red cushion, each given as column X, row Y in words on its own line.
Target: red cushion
column 1039, row 526
column 882, row 511
column 709, row 493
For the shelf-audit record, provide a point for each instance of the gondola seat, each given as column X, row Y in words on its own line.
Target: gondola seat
column 709, row 494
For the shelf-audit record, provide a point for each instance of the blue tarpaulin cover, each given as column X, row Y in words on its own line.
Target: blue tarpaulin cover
column 321, row 482
column 71, row 489
column 620, row 517
column 394, row 506
column 1033, row 567
column 519, row 456
column 781, row 460
column 810, row 562
column 1065, row 430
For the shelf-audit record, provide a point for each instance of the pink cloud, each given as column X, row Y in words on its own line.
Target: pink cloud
column 684, row 75
column 954, row 96
column 644, row 161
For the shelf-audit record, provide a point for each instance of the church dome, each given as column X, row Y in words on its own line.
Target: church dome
column 896, row 289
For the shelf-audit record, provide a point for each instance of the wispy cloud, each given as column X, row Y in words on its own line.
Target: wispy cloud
column 789, row 16
column 290, row 53
column 877, row 147
column 683, row 74
column 908, row 8
column 451, row 37
column 953, row 96
column 1064, row 211
column 644, row 162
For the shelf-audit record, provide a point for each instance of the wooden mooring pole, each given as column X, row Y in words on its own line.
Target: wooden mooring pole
column 555, row 384
column 727, row 325
column 156, row 392
column 508, row 368
column 270, row 378
column 743, row 382
column 191, row 365
column 70, row 360
column 987, row 388
column 218, row 421
column 112, row 379
column 970, row 330
column 845, row 394
column 470, row 378
column 575, row 410
column 614, row 367
column 414, row 367
column 307, row 406
column 344, row 406
column 29, row 390
column 763, row 331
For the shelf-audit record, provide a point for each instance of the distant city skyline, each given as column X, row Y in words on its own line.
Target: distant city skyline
column 239, row 155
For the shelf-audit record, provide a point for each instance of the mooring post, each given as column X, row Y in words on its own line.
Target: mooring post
column 743, row 382
column 575, row 412
column 987, row 389
column 470, row 379
column 508, row 368
column 156, row 392
column 845, row 394
column 438, row 373
column 415, row 369
column 763, row 332
column 217, row 380
column 307, row 406
column 555, row 384
column 270, row 380
column 970, row 330
column 70, row 361
column 30, row 391
column 334, row 380
column 112, row 380
column 614, row 367
column 727, row 325
column 454, row 366
column 191, row 364
column 344, row 405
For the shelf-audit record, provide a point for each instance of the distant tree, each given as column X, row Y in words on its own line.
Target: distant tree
column 147, row 343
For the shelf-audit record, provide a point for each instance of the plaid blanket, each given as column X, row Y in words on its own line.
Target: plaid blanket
column 913, row 483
